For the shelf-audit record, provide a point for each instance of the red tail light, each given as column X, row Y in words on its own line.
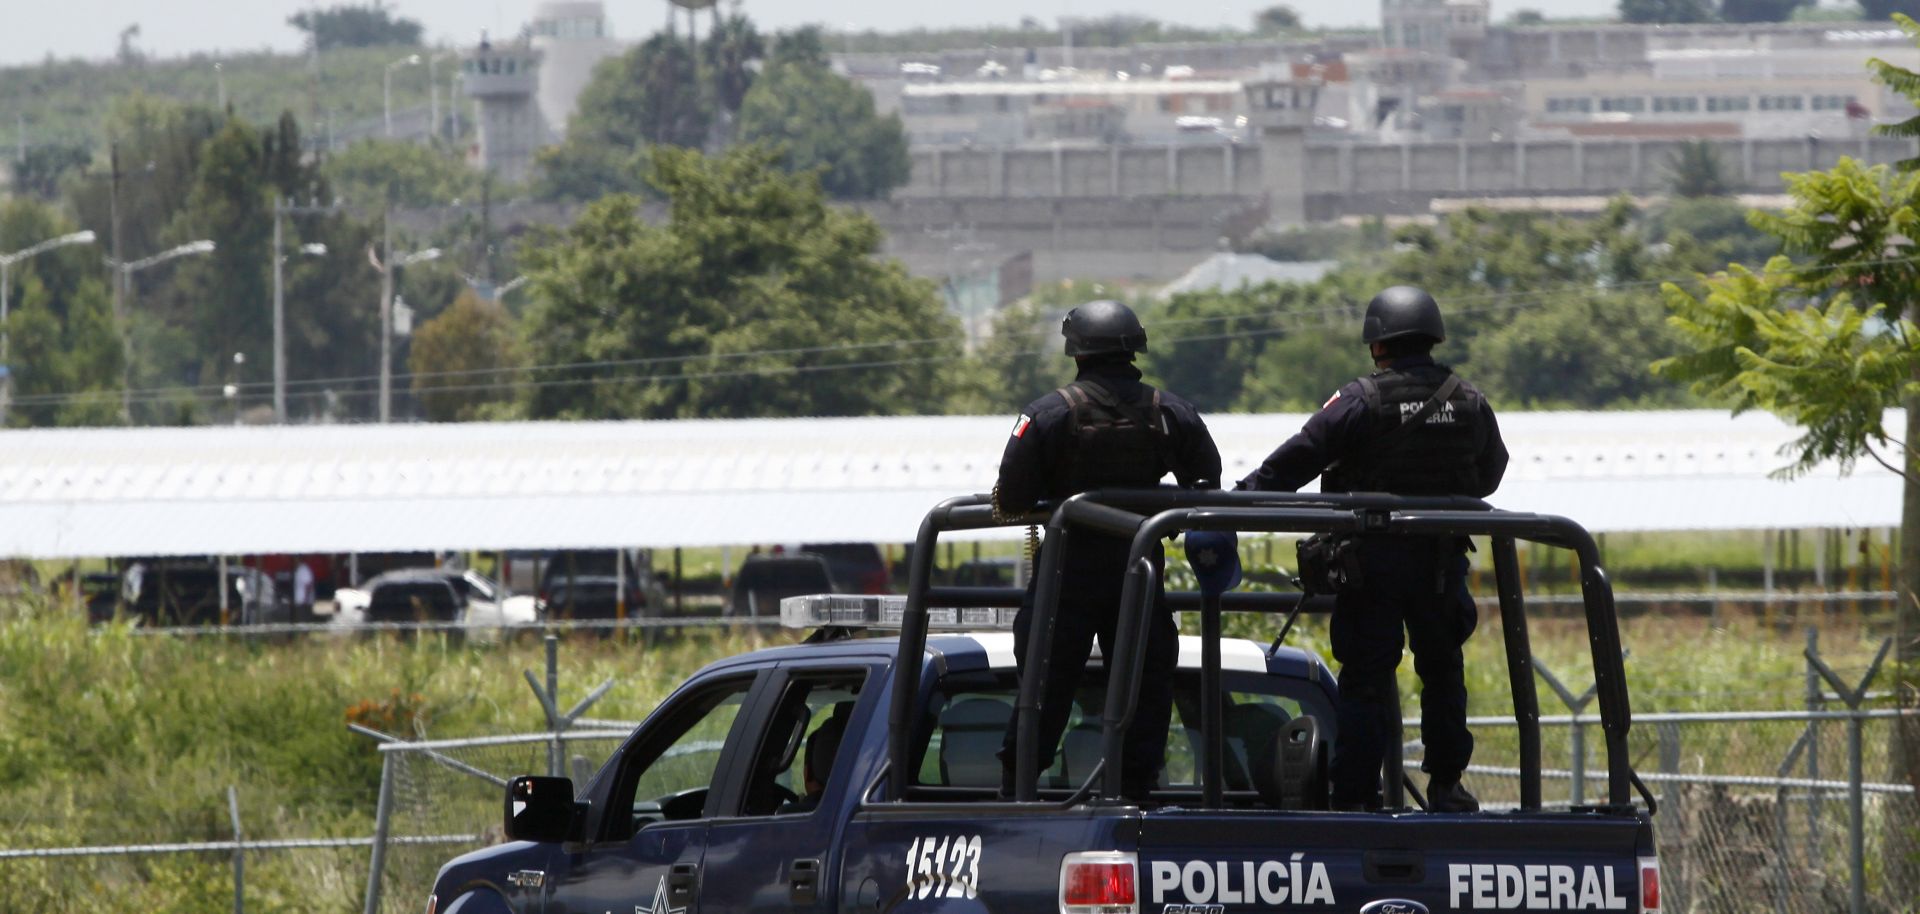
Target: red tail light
column 1098, row 882
column 1650, row 885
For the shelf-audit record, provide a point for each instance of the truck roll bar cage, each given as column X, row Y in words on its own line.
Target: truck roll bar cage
column 1146, row 516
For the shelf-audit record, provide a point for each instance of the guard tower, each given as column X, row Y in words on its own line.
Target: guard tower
column 502, row 80
column 1280, row 109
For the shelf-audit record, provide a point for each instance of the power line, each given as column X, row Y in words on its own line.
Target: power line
column 1501, row 301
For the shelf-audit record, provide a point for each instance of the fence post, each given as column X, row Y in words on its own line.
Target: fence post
column 382, row 820
column 1856, row 789
column 1578, row 730
column 1816, row 702
column 553, row 700
column 239, row 854
column 1668, row 734
column 557, row 723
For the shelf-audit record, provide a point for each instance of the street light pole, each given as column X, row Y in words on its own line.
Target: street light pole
column 6, row 288
column 280, row 211
column 124, row 273
column 433, row 91
column 387, row 265
column 387, row 87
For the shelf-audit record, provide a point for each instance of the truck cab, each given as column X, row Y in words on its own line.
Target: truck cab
column 855, row 773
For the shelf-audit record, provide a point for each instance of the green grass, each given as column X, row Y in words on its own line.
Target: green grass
column 108, row 737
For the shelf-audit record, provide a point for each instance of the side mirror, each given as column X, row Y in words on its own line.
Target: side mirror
column 540, row 809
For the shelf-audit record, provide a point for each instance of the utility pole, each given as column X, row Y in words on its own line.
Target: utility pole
column 386, row 315
column 387, row 263
column 120, row 286
column 279, row 320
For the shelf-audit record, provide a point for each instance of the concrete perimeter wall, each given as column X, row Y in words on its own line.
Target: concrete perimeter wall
column 1356, row 180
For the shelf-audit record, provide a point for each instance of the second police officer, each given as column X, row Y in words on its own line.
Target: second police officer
column 1105, row 430
column 1357, row 443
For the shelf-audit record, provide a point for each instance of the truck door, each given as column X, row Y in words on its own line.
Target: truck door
column 773, row 854
column 648, row 835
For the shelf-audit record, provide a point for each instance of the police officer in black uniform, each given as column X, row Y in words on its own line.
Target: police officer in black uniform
column 1106, row 430
column 1355, row 443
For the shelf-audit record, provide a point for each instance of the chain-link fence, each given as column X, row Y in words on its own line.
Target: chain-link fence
column 1756, row 809
column 446, row 787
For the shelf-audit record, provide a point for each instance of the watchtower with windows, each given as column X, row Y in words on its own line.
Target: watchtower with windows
column 1280, row 109
column 502, row 80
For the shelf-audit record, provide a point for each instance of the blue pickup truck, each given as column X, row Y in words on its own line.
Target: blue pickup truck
column 856, row 774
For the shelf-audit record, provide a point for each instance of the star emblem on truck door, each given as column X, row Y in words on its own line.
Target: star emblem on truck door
column 659, row 905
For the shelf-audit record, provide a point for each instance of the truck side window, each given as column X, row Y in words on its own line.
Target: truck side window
column 667, row 773
column 803, row 739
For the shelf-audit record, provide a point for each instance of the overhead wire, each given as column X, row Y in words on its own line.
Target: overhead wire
column 360, row 385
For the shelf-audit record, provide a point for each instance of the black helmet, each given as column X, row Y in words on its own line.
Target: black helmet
column 1401, row 311
column 1103, row 326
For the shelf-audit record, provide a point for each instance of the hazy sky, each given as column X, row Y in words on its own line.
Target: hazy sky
column 31, row 29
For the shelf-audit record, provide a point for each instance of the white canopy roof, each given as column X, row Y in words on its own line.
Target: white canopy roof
column 536, row 485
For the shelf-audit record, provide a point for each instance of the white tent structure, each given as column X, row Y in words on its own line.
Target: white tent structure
column 539, row 485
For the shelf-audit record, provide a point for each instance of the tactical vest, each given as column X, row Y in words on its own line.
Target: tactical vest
column 1433, row 457
column 1116, row 444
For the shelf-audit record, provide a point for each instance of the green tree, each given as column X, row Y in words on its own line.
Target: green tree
column 356, row 26
column 1527, row 17
column 1276, row 20
column 63, row 351
column 822, row 120
column 229, row 289
column 755, row 298
column 1205, row 344
column 1021, row 359
column 648, row 96
column 463, row 361
column 1822, row 336
column 1694, row 171
column 731, row 53
column 1588, row 352
column 1887, row 9
column 375, row 172
column 1665, row 11
column 1718, row 227
column 1758, row 10
column 39, row 173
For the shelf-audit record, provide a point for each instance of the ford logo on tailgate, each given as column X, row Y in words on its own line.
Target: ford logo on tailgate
column 1393, row 906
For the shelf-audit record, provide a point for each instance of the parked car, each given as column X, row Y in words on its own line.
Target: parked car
column 434, row 595
column 582, row 583
column 765, row 579
column 101, row 591
column 186, row 592
column 987, row 572
column 856, row 567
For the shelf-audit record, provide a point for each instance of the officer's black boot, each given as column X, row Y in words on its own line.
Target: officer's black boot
column 1445, row 793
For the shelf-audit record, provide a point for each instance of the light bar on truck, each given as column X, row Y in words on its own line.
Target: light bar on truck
column 885, row 611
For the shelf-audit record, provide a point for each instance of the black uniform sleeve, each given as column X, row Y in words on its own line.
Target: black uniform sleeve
column 1028, row 458
column 1330, row 434
column 1196, row 459
column 1492, row 460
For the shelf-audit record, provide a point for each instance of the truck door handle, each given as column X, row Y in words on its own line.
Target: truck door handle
column 1394, row 867
column 680, row 881
column 804, row 879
